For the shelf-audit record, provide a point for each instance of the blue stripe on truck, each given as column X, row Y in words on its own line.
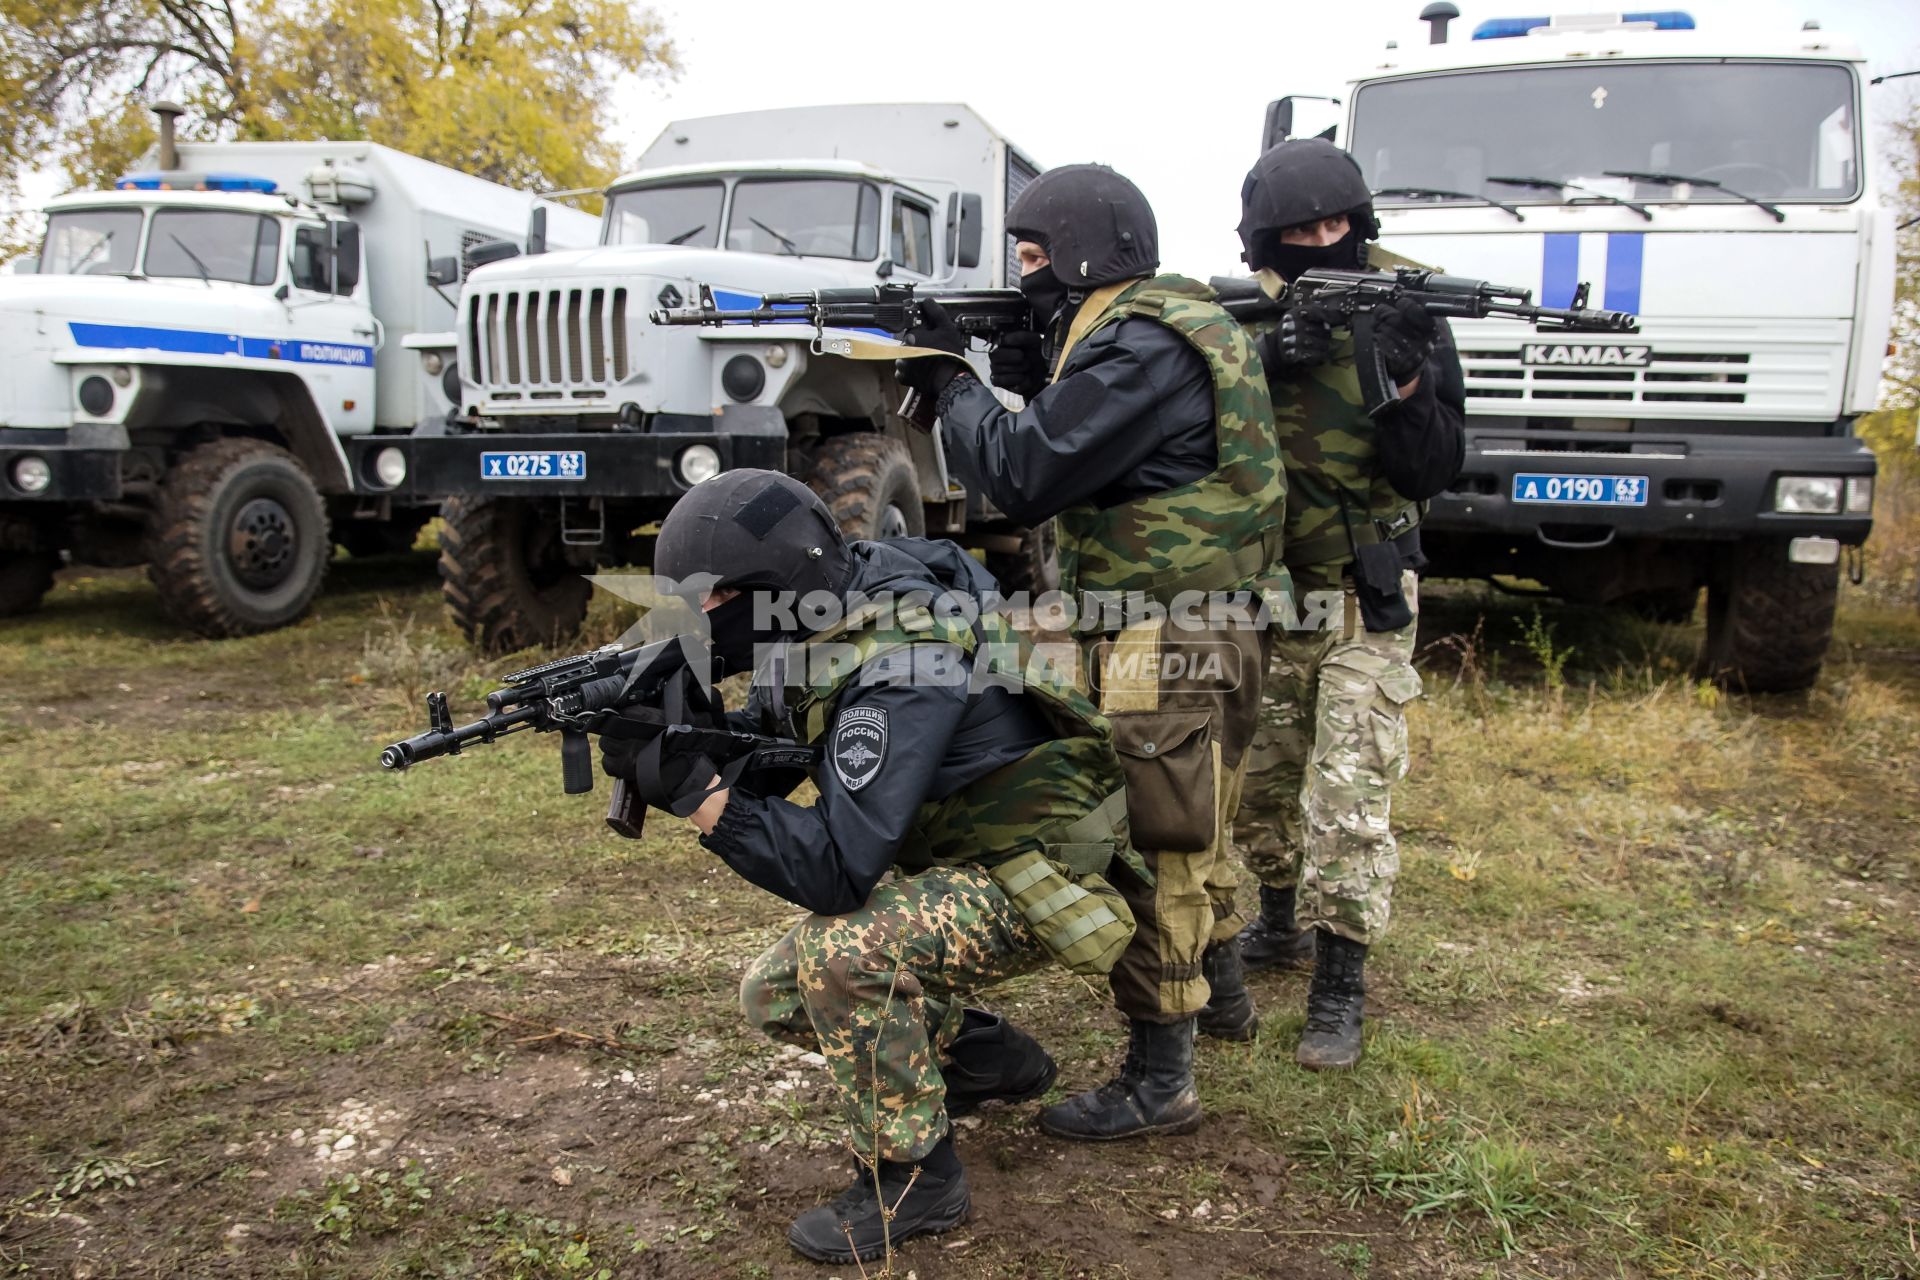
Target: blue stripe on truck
column 1625, row 253
column 1559, row 267
column 127, row 337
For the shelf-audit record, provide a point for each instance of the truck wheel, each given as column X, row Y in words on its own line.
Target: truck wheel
column 25, row 579
column 505, row 574
column 238, row 541
column 1769, row 621
column 1034, row 568
column 867, row 481
column 1674, row 607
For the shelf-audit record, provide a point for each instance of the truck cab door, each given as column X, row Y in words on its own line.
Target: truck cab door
column 335, row 337
column 910, row 248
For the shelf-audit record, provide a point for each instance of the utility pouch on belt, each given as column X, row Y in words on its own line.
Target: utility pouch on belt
column 1168, row 760
column 1376, row 582
column 1080, row 919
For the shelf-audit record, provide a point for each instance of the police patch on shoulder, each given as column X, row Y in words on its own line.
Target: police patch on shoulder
column 859, row 745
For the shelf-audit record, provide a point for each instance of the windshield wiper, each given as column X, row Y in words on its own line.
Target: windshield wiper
column 1675, row 179
column 206, row 277
column 684, row 235
column 1551, row 184
column 1441, row 193
column 787, row 244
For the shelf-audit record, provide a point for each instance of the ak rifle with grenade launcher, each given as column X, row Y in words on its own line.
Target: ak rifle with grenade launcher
column 679, row 716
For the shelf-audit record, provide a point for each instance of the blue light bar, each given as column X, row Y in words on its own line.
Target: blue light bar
column 157, row 181
column 1504, row 28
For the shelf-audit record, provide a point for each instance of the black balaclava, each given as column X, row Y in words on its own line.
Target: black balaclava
column 1046, row 292
column 1347, row 253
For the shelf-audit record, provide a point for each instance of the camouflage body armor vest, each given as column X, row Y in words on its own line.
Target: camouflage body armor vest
column 1218, row 533
column 1045, row 826
column 1336, row 500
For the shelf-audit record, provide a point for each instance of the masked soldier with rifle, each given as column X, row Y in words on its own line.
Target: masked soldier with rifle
column 949, row 756
column 1148, row 435
column 1333, row 737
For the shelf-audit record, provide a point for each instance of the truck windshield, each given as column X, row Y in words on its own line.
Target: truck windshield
column 810, row 217
column 91, row 242
column 686, row 214
column 1779, row 131
column 214, row 244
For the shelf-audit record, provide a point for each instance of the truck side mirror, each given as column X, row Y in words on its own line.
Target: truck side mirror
column 1279, row 124
column 346, row 257
column 492, row 251
column 537, row 230
column 443, row 271
column 964, row 229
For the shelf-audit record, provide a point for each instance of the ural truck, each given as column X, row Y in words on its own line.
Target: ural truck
column 571, row 424
column 1718, row 185
column 190, row 351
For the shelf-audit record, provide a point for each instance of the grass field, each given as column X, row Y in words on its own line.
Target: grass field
column 1648, row 1008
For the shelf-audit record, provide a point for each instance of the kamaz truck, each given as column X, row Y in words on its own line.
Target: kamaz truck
column 569, row 424
column 190, row 351
column 1719, row 185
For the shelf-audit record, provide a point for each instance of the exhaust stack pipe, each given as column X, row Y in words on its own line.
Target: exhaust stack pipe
column 1437, row 16
column 169, row 153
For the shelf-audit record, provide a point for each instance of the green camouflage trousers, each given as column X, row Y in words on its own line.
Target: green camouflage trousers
column 879, row 991
column 1332, row 744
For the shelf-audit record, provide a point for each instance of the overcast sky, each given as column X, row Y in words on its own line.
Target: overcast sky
column 1171, row 94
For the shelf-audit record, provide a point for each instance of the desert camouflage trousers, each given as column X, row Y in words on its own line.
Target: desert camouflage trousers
column 1332, row 743
column 1184, row 703
column 878, row 992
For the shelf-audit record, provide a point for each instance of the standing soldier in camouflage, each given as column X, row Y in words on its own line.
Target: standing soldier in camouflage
column 988, row 786
column 1148, row 435
column 1333, row 738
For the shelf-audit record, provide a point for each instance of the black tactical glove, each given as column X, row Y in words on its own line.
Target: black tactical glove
column 624, row 733
column 1403, row 333
column 926, row 374
column 1018, row 365
column 1302, row 340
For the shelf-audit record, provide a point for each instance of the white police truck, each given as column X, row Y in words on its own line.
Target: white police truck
column 190, row 350
column 1719, row 185
column 578, row 423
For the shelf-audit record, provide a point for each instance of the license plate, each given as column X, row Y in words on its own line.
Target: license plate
column 1580, row 491
column 553, row 464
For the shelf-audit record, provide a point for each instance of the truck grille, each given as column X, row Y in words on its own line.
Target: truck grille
column 546, row 344
column 1668, row 378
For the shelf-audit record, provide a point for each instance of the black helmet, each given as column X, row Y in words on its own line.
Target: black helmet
column 1093, row 223
column 1301, row 180
column 752, row 528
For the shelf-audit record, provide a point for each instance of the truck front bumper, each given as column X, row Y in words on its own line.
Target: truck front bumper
column 82, row 463
column 594, row 464
column 1702, row 486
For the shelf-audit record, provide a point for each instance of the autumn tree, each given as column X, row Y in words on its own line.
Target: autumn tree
column 519, row 91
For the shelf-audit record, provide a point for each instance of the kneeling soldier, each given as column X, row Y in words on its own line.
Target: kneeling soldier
column 949, row 756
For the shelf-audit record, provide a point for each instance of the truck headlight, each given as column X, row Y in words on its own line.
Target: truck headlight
column 698, row 462
column 743, row 378
column 1859, row 495
column 95, row 395
column 450, row 383
column 390, row 465
column 1807, row 495
column 32, row 474
column 432, row 362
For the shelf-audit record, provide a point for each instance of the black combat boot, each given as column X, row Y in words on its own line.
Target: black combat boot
column 923, row 1203
column 1274, row 940
column 1334, row 1005
column 1153, row 1093
column 993, row 1059
column 1229, row 1014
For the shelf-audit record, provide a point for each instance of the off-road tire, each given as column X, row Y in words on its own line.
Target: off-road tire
column 238, row 540
column 1672, row 606
column 863, row 475
column 505, row 576
column 1769, row 621
column 1034, row 568
column 25, row 579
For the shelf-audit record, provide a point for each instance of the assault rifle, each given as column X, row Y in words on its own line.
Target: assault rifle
column 1348, row 297
column 684, row 727
column 893, row 309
